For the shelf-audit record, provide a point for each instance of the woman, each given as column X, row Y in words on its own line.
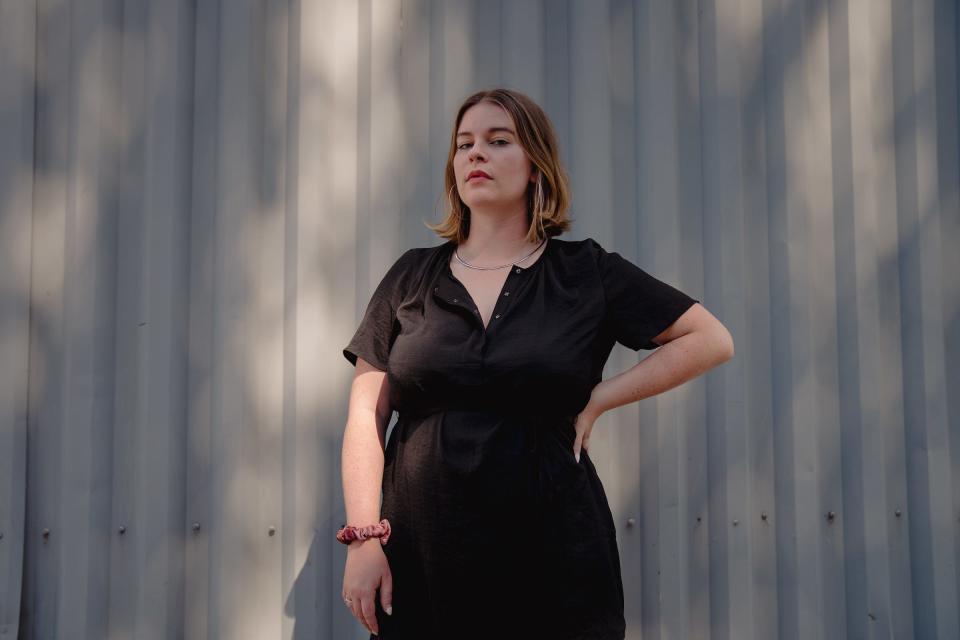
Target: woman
column 490, row 347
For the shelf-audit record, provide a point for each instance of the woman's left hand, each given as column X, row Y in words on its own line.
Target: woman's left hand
column 583, row 426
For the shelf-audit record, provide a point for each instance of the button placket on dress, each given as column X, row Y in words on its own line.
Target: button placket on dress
column 502, row 304
column 461, row 297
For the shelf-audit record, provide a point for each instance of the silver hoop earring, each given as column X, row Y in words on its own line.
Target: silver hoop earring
column 539, row 199
column 538, row 203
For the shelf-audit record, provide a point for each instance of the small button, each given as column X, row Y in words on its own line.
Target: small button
column 497, row 316
column 455, row 300
column 506, row 293
column 519, row 269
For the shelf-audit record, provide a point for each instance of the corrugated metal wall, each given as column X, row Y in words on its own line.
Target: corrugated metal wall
column 197, row 198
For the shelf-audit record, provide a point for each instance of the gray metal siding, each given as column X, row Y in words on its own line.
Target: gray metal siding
column 197, row 199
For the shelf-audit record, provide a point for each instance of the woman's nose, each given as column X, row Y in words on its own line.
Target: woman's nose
column 474, row 152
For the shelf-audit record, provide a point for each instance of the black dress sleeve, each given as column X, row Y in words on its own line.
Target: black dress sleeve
column 378, row 327
column 638, row 306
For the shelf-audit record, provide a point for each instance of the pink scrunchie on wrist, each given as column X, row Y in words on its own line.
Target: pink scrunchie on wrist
column 381, row 530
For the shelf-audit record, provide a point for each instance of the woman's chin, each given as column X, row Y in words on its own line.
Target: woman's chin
column 491, row 203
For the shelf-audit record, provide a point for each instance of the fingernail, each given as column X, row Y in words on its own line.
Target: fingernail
column 389, row 609
column 578, row 457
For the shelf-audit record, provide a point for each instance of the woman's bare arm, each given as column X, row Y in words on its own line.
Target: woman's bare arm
column 695, row 343
column 363, row 444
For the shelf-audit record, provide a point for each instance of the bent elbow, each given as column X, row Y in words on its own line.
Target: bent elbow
column 728, row 348
column 725, row 348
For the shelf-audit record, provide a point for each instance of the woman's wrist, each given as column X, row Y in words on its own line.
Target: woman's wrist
column 349, row 534
column 357, row 544
column 595, row 407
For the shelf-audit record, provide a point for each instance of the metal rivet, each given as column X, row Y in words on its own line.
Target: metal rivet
column 196, row 526
column 763, row 516
column 631, row 522
column 497, row 316
column 455, row 300
column 518, row 269
column 831, row 515
column 272, row 530
column 735, row 522
column 122, row 530
column 897, row 513
column 506, row 293
column 46, row 533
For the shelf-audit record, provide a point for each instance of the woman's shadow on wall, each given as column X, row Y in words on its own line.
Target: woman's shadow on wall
column 313, row 606
column 308, row 602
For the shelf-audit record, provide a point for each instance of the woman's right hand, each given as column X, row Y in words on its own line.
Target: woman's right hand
column 366, row 571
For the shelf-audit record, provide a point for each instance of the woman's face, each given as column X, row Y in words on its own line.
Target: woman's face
column 486, row 141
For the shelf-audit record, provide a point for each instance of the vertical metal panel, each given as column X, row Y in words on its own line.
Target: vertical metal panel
column 197, row 199
column 17, row 63
column 947, row 212
column 199, row 609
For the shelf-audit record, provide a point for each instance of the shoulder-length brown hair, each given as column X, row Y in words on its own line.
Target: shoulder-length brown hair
column 548, row 199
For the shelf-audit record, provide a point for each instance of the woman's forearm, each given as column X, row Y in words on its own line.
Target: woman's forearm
column 669, row 366
column 362, row 468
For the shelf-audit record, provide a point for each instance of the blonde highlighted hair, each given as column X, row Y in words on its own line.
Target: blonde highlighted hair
column 548, row 199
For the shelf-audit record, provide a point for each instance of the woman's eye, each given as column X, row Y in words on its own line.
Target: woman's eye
column 466, row 144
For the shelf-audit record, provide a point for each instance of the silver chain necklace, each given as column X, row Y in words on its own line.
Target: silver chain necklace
column 505, row 266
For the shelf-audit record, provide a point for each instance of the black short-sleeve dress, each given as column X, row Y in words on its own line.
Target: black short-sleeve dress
column 497, row 530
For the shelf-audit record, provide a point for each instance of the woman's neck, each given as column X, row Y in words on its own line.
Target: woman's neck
column 496, row 240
